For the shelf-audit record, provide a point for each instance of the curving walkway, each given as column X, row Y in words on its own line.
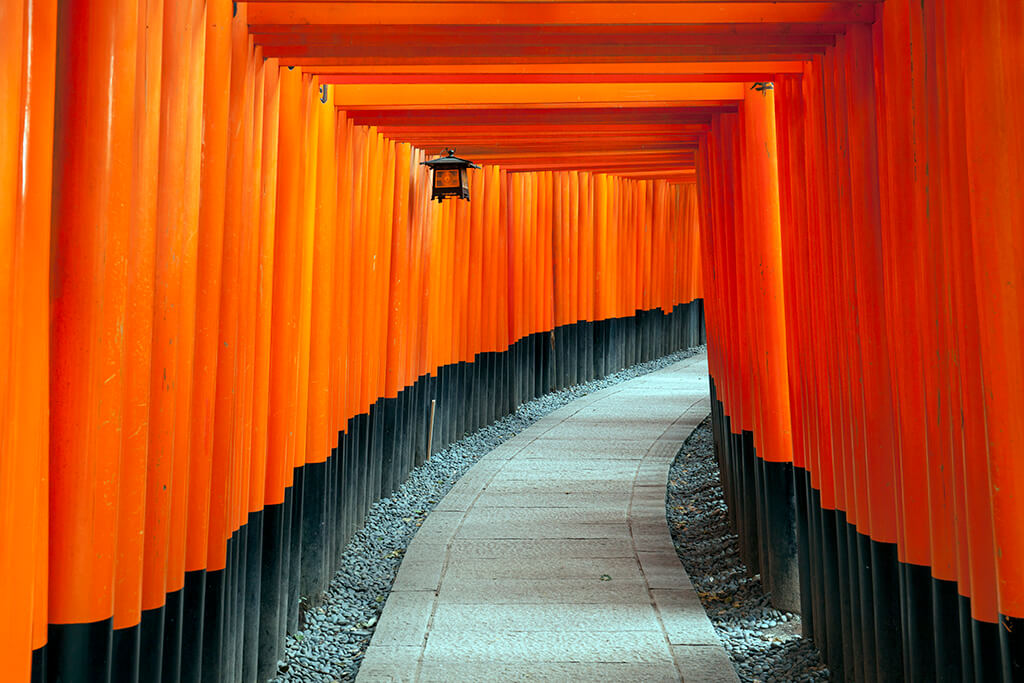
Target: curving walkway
column 551, row 559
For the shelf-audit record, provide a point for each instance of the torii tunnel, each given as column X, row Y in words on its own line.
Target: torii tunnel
column 228, row 302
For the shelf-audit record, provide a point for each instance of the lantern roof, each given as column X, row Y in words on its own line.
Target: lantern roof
column 450, row 161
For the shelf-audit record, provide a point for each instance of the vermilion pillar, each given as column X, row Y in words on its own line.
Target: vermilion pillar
column 93, row 169
column 27, row 55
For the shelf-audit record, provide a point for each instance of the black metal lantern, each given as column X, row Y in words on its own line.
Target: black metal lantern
column 450, row 179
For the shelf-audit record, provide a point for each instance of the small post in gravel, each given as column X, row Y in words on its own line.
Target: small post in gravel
column 430, row 431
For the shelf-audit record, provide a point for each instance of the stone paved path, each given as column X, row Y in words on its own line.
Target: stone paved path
column 551, row 559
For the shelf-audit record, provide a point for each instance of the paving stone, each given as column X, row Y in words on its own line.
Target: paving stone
column 506, row 451
column 440, row 526
column 568, row 467
column 477, row 527
column 541, row 591
column 653, row 543
column 405, row 618
column 549, row 646
column 420, row 573
column 660, row 456
column 600, row 486
column 465, row 488
column 474, row 483
column 647, row 512
column 389, row 664
column 545, row 449
column 647, row 477
column 547, row 568
column 598, row 514
column 524, row 550
column 546, row 617
column 537, row 481
column 685, row 621
column 649, row 495
column 656, row 465
column 546, row 672
column 573, row 501
column 457, row 501
column 576, row 477
column 663, row 571
column 598, row 430
column 650, row 527
column 704, row 664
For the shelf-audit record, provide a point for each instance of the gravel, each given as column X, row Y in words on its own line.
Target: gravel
column 336, row 629
column 765, row 644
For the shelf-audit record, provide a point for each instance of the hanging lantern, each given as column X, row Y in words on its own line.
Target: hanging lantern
column 450, row 178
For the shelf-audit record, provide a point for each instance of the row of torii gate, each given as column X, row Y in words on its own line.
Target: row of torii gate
column 228, row 301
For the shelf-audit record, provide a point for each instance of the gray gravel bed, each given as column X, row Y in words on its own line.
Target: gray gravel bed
column 765, row 644
column 336, row 631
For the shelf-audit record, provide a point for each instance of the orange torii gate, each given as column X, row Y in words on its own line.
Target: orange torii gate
column 228, row 300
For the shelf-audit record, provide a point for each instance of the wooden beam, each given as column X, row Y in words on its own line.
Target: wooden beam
column 629, row 154
column 535, row 78
column 570, row 118
column 579, row 69
column 624, row 12
column 537, row 130
column 321, row 57
column 418, row 95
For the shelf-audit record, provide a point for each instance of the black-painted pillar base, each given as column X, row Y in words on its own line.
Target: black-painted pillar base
column 81, row 653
